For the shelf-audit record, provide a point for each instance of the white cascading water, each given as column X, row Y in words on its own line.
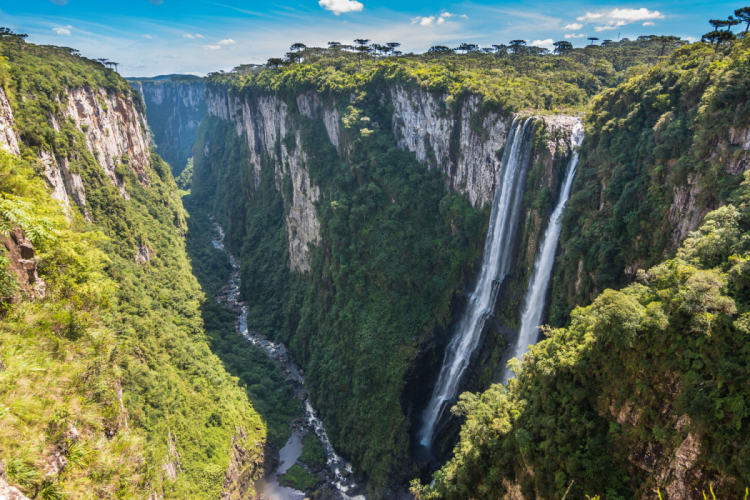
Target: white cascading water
column 506, row 207
column 536, row 294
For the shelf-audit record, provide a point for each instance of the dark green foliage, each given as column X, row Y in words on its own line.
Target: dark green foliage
column 395, row 249
column 660, row 365
column 312, row 451
column 298, row 478
column 648, row 143
column 266, row 386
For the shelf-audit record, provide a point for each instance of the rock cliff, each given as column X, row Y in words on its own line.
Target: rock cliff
column 465, row 143
column 174, row 109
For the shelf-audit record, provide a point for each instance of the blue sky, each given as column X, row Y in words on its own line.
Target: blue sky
column 152, row 37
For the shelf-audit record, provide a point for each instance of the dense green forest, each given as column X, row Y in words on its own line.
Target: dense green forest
column 660, row 367
column 397, row 248
column 109, row 323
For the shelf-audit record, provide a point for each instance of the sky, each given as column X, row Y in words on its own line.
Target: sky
column 156, row 37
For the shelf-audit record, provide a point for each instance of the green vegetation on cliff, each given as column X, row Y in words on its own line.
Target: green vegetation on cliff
column 659, row 369
column 506, row 82
column 660, row 151
column 659, row 365
column 396, row 246
column 109, row 323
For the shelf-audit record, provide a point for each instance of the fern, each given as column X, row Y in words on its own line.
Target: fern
column 17, row 212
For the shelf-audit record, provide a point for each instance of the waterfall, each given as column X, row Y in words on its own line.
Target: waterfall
column 506, row 208
column 534, row 304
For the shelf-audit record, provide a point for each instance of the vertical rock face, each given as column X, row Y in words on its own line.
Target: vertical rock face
column 174, row 109
column 8, row 139
column 466, row 144
column 115, row 134
column 264, row 122
column 113, row 129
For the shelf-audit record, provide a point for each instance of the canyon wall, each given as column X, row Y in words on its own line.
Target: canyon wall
column 175, row 108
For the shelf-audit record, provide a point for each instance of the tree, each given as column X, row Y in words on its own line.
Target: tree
column 743, row 16
column 393, row 46
column 562, row 47
column 380, row 49
column 664, row 40
column 607, row 43
column 439, row 50
column 592, row 39
column 488, row 50
column 718, row 38
column 500, row 48
column 517, row 46
column 363, row 48
column 275, row 62
column 721, row 23
column 296, row 48
column 467, row 47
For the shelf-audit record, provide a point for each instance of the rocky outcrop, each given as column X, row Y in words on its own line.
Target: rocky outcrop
column 8, row 139
column 113, row 130
column 23, row 265
column 114, row 134
column 244, row 468
column 174, row 109
column 264, row 122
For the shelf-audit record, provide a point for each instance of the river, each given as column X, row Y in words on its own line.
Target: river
column 338, row 477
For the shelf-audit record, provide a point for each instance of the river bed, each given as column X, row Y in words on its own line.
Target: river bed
column 337, row 476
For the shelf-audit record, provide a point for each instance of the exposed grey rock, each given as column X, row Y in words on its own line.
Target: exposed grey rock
column 8, row 138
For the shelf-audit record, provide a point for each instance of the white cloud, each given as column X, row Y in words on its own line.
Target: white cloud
column 464, row 16
column 632, row 15
column 649, row 23
column 339, row 6
column 228, row 41
column 543, row 43
column 590, row 17
column 63, row 31
column 147, row 36
column 212, row 47
column 571, row 35
column 199, row 35
column 186, row 35
column 432, row 20
column 573, row 26
column 621, row 17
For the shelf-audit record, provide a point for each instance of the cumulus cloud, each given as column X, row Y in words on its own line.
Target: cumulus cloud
column 620, row 17
column 432, row 20
column 590, row 17
column 212, row 47
column 228, row 41
column 573, row 26
column 649, row 23
column 339, row 6
column 543, row 43
column 571, row 35
column 63, row 31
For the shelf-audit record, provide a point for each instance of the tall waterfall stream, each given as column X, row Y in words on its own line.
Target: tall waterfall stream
column 536, row 294
column 338, row 475
column 496, row 259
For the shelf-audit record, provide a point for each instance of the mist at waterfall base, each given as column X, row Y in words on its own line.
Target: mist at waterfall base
column 496, row 259
column 536, row 295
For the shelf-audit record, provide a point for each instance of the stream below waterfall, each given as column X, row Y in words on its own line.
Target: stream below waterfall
column 337, row 474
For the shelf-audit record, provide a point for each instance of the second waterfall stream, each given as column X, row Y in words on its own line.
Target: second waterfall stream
column 536, row 295
column 496, row 259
